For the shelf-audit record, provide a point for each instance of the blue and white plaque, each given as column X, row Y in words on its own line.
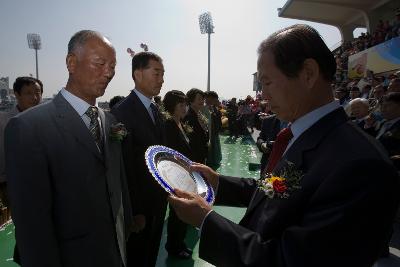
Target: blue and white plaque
column 171, row 170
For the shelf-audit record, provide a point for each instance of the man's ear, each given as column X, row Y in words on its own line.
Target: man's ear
column 17, row 95
column 310, row 72
column 137, row 75
column 71, row 61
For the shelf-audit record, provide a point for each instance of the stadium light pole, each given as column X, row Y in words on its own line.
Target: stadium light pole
column 34, row 42
column 207, row 26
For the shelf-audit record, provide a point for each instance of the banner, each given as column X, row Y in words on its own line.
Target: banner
column 378, row 59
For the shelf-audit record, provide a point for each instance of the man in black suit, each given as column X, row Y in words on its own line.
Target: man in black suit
column 389, row 133
column 28, row 92
column 270, row 127
column 232, row 110
column 212, row 113
column 336, row 194
column 143, row 121
column 68, row 193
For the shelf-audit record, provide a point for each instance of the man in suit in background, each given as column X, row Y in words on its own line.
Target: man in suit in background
column 270, row 127
column 212, row 113
column 68, row 194
column 389, row 133
column 143, row 121
column 28, row 92
column 326, row 199
column 359, row 111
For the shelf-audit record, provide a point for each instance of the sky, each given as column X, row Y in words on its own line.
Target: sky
column 170, row 28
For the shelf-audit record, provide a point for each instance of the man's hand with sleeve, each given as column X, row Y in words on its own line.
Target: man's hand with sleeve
column 190, row 207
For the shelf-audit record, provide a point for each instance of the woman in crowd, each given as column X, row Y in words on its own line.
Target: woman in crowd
column 198, row 123
column 174, row 104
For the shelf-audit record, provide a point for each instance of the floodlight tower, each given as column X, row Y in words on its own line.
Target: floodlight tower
column 207, row 26
column 34, row 42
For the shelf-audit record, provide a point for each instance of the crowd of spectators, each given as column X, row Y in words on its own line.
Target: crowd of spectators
column 243, row 115
column 365, row 99
column 384, row 31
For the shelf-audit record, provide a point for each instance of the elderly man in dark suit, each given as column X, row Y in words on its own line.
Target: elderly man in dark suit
column 68, row 194
column 143, row 121
column 333, row 194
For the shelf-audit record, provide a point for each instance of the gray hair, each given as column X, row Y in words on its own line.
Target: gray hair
column 362, row 101
column 80, row 38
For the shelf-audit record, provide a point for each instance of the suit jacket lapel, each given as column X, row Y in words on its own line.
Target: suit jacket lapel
column 68, row 119
column 141, row 109
column 306, row 142
column 312, row 137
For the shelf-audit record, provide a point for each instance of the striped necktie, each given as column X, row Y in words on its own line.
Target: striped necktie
column 94, row 126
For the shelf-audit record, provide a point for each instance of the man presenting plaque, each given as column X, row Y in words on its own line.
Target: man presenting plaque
column 321, row 207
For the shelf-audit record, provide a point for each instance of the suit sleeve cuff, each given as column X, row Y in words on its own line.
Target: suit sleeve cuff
column 202, row 223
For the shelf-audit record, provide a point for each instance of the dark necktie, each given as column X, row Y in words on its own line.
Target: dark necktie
column 94, row 126
column 154, row 111
column 279, row 147
column 156, row 117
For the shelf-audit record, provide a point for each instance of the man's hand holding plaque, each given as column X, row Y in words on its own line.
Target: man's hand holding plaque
column 190, row 207
column 209, row 174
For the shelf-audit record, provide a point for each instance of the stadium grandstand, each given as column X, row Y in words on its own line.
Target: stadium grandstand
column 377, row 51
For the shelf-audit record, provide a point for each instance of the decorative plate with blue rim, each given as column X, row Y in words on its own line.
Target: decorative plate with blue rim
column 171, row 170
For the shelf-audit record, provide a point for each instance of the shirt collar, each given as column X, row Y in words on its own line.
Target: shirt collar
column 77, row 103
column 303, row 123
column 144, row 99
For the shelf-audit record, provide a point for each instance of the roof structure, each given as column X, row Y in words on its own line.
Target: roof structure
column 344, row 14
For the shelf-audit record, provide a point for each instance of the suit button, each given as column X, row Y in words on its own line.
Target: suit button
column 110, row 194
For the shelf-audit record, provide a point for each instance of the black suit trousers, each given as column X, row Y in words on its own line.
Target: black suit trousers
column 142, row 248
column 176, row 230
